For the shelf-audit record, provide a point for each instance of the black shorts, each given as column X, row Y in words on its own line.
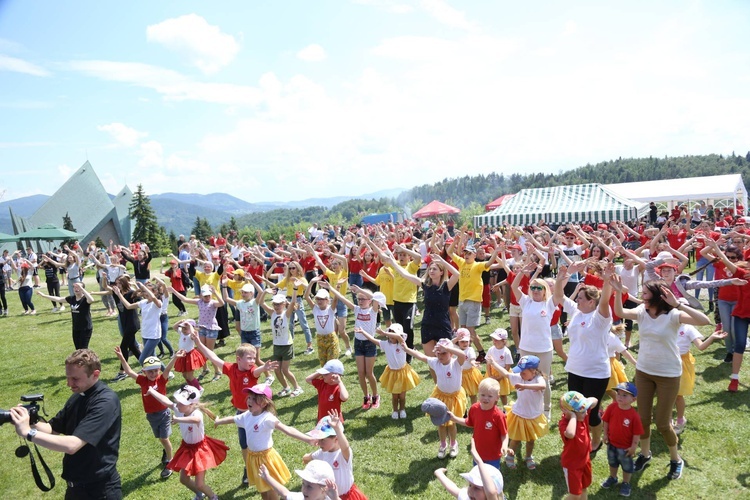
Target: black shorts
column 454, row 296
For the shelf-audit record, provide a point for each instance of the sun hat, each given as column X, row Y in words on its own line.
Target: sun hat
column 323, row 429
column 628, row 387
column 576, row 402
column 187, row 395
column 262, row 389
column 151, row 363
column 462, row 335
column 397, row 329
column 316, row 472
column 332, row 366
column 500, row 334
column 205, row 290
column 475, row 478
column 526, row 362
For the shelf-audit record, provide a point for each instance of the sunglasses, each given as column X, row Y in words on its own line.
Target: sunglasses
column 733, row 257
column 536, row 288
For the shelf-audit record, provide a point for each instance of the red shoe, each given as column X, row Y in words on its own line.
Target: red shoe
column 734, row 385
column 376, row 401
column 366, row 403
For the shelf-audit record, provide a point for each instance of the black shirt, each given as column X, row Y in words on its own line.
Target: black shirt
column 128, row 317
column 141, row 268
column 436, row 302
column 95, row 418
column 80, row 311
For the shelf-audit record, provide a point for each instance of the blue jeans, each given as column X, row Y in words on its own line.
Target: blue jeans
column 164, row 319
column 25, row 293
column 709, row 273
column 196, row 286
column 727, row 322
column 355, row 279
column 740, row 334
column 302, row 319
column 149, row 347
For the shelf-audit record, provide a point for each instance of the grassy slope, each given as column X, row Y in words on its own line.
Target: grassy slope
column 393, row 459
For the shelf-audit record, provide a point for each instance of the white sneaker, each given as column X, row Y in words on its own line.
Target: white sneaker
column 402, row 414
column 270, row 380
column 62, row 308
column 54, row 309
column 171, row 375
column 348, row 352
column 394, row 415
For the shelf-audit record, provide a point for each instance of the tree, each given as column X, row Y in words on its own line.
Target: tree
column 202, row 229
column 99, row 243
column 68, row 226
column 146, row 226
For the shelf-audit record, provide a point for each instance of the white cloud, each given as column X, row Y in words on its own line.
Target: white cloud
column 124, row 135
column 16, row 65
column 571, row 28
column 205, row 46
column 64, row 171
column 312, row 53
column 391, row 6
column 447, row 15
column 151, row 153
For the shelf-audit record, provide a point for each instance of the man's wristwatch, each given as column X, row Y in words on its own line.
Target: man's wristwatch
column 30, row 435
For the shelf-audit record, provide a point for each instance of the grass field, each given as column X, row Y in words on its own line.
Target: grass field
column 394, row 459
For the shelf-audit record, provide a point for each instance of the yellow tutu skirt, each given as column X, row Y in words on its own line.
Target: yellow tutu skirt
column 273, row 462
column 505, row 387
column 618, row 373
column 455, row 401
column 687, row 380
column 397, row 381
column 525, row 429
column 470, row 380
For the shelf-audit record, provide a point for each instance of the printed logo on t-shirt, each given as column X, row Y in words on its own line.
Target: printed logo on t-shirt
column 626, row 422
column 74, row 308
column 330, row 398
column 245, row 380
column 398, row 350
column 488, row 425
column 255, row 428
column 448, row 374
column 322, row 321
column 190, row 428
column 543, row 314
column 335, row 464
column 583, row 323
column 363, row 316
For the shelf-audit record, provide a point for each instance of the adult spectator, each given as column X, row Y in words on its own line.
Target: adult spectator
column 652, row 211
column 86, row 430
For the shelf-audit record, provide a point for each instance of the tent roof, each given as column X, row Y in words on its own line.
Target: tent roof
column 434, row 208
column 563, row 204
column 690, row 188
column 498, row 201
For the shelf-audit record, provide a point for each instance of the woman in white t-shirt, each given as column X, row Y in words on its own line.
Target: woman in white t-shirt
column 588, row 364
column 659, row 367
column 536, row 333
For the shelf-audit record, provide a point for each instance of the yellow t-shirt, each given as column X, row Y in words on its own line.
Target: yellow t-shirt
column 470, row 280
column 385, row 282
column 236, row 286
column 334, row 278
column 403, row 289
column 287, row 287
column 209, row 279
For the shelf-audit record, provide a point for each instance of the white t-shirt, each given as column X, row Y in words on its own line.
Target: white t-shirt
column 150, row 324
column 658, row 353
column 249, row 315
column 185, row 341
column 280, row 329
column 191, row 433
column 325, row 320
column 614, row 345
column 366, row 319
column 394, row 355
column 502, row 356
column 258, row 429
column 629, row 278
column 536, row 334
column 588, row 334
column 448, row 376
column 529, row 404
column 343, row 471
column 471, row 355
column 164, row 305
column 685, row 336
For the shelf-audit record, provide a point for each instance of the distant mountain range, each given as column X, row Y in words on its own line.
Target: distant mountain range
column 177, row 212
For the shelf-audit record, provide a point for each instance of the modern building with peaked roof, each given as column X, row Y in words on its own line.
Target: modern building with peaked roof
column 93, row 212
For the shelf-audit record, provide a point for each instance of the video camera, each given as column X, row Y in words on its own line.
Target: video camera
column 32, row 407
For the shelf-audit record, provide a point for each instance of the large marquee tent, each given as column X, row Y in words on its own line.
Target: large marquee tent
column 563, row 204
column 671, row 191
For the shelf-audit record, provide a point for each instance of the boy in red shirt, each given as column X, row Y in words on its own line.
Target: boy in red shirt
column 574, row 429
column 621, row 431
column 488, row 421
column 157, row 414
column 242, row 375
column 330, row 386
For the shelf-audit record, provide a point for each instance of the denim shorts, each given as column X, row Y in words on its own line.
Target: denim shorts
column 619, row 456
column 209, row 334
column 341, row 310
column 251, row 337
column 556, row 332
column 365, row 348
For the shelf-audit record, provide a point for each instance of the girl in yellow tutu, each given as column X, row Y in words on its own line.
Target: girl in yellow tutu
column 688, row 335
column 470, row 374
column 447, row 368
column 399, row 377
column 499, row 355
column 615, row 347
column 526, row 420
column 259, row 422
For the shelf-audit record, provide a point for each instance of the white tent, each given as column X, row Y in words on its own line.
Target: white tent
column 671, row 191
column 563, row 204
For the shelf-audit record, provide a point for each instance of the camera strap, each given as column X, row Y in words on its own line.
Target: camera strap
column 23, row 450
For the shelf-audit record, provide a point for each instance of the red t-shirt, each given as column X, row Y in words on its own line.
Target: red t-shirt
column 729, row 293
column 355, row 265
column 575, row 454
column 150, row 404
column 175, row 279
column 256, row 272
column 239, row 380
column 308, row 263
column 742, row 309
column 676, row 240
column 623, row 425
column 490, row 428
column 524, row 286
column 329, row 398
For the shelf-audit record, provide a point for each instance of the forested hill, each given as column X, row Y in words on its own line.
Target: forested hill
column 482, row 189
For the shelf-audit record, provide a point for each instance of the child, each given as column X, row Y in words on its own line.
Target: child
column 157, row 413
column 500, row 355
column 161, row 292
column 365, row 320
column 398, row 377
column 317, row 482
column 330, row 386
column 447, row 368
column 621, row 429
column 283, row 341
column 335, row 450
column 150, row 308
column 614, row 347
column 526, row 420
column 470, row 374
column 325, row 323
column 197, row 452
column 242, row 375
column 488, row 421
column 193, row 359
column 259, row 422
column 574, row 429
column 248, row 323
column 687, row 335
column 485, row 481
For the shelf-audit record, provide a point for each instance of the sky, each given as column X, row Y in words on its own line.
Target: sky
column 283, row 101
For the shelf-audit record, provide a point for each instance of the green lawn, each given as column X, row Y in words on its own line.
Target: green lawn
column 393, row 458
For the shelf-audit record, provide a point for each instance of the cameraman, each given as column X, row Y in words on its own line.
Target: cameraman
column 87, row 430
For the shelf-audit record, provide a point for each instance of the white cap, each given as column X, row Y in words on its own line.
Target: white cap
column 379, row 297
column 278, row 299
column 322, row 294
column 316, row 472
column 475, row 478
